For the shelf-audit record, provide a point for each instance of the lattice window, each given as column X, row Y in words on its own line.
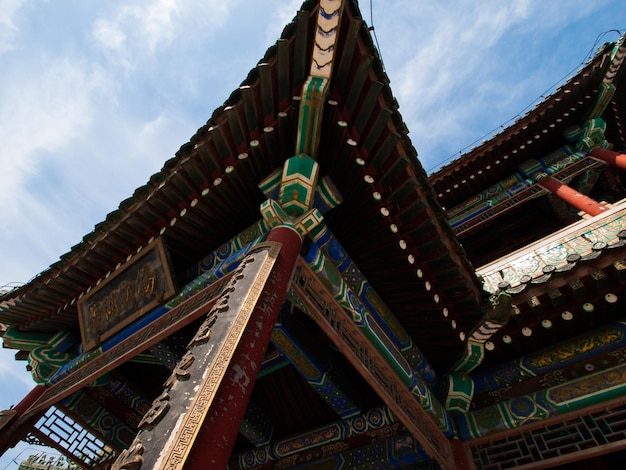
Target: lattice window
column 557, row 441
column 56, row 426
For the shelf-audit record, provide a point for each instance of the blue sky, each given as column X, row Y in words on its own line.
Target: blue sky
column 95, row 96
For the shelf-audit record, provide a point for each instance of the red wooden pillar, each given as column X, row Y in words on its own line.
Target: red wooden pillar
column 571, row 196
column 613, row 158
column 217, row 436
column 462, row 455
column 9, row 437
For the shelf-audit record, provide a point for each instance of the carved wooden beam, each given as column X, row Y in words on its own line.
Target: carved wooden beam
column 315, row 300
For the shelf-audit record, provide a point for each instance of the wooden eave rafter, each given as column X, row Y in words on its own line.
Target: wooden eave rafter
column 587, row 283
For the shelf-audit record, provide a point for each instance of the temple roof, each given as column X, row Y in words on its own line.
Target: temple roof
column 506, row 222
column 562, row 269
column 533, row 135
column 389, row 221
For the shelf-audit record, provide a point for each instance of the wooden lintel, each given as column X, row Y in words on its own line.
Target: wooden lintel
column 371, row 364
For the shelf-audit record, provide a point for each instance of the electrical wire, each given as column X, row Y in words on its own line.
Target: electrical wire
column 372, row 30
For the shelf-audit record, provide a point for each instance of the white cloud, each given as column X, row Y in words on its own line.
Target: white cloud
column 43, row 110
column 8, row 28
column 151, row 23
column 282, row 16
column 466, row 60
column 455, row 50
column 13, row 373
column 108, row 34
column 157, row 24
column 138, row 30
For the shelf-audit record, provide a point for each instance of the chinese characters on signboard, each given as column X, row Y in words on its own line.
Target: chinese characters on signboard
column 142, row 285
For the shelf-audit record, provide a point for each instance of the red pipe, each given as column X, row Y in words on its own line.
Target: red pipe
column 571, row 196
column 613, row 158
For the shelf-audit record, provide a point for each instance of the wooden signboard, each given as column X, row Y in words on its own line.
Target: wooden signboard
column 142, row 285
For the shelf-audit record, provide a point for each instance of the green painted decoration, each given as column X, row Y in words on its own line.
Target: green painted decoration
column 314, row 94
column 298, row 184
column 458, row 390
column 363, row 318
column 24, row 340
column 333, row 252
column 553, row 401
